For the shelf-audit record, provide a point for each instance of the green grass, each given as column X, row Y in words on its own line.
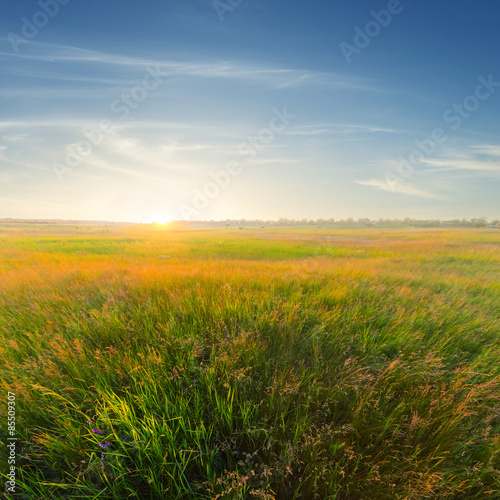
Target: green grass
column 267, row 364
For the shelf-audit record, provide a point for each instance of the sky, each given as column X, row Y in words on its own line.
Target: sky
column 163, row 110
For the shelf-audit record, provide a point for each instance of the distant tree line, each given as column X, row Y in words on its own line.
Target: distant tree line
column 350, row 222
column 10, row 220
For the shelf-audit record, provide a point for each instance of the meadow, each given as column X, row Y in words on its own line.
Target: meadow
column 163, row 362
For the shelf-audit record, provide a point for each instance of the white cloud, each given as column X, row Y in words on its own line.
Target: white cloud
column 487, row 149
column 398, row 187
column 337, row 128
column 23, row 164
column 478, row 158
column 459, row 164
column 273, row 77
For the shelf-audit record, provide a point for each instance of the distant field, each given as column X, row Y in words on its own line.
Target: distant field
column 275, row 363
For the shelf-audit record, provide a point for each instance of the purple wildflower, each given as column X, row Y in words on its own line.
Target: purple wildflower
column 89, row 422
column 102, row 456
column 104, row 445
column 97, row 431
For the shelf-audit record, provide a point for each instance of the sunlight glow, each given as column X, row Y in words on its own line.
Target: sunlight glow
column 161, row 218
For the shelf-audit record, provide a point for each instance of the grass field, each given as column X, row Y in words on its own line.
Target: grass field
column 273, row 363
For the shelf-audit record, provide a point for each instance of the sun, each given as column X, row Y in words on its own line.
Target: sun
column 161, row 218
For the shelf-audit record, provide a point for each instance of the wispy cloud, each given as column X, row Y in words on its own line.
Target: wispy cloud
column 105, row 165
column 462, row 164
column 442, row 172
column 398, row 187
column 487, row 149
column 269, row 76
column 23, row 164
column 337, row 128
column 86, row 123
column 480, row 158
column 14, row 138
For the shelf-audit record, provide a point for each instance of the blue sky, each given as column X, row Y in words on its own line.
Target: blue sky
column 170, row 109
